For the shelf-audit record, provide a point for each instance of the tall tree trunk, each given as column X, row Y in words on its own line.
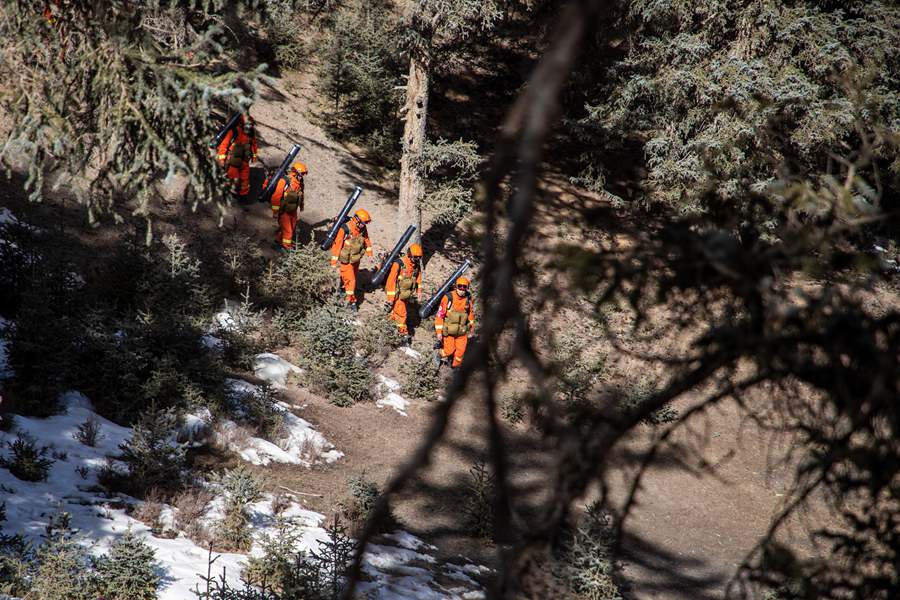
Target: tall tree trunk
column 412, row 184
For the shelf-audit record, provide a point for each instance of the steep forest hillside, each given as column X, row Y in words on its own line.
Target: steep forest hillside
column 416, row 299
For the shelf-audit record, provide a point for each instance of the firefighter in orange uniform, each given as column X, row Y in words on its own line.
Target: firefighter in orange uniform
column 287, row 201
column 454, row 323
column 236, row 150
column 350, row 245
column 404, row 282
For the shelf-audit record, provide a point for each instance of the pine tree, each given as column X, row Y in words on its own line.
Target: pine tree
column 128, row 571
column 428, row 24
column 110, row 97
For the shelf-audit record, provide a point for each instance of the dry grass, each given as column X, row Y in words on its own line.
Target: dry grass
column 190, row 508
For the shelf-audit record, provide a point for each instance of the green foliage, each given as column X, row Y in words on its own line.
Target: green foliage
column 241, row 489
column 451, row 169
column 479, row 502
column 360, row 69
column 585, row 562
column 326, row 335
column 16, row 554
column 88, row 432
column 725, row 94
column 64, row 567
column 297, row 282
column 637, row 394
column 321, row 575
column 128, row 571
column 513, row 409
column 296, row 576
column 27, row 462
column 260, row 409
column 420, row 379
column 377, row 337
column 153, row 460
column 119, row 93
column 364, row 493
column 578, row 369
column 272, row 570
column 282, row 26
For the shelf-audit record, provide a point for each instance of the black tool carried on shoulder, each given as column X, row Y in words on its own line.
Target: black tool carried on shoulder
column 382, row 273
column 341, row 218
column 430, row 306
column 266, row 194
column 231, row 124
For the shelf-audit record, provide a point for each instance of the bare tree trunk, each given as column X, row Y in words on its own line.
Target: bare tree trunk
column 412, row 184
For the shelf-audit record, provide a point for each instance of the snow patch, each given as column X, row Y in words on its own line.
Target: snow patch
column 387, row 390
column 410, row 352
column 299, row 444
column 401, row 567
column 274, row 369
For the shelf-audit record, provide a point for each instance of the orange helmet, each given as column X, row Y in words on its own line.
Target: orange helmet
column 415, row 250
column 462, row 281
column 300, row 168
column 363, row 215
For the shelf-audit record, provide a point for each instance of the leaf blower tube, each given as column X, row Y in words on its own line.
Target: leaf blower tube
column 231, row 124
column 382, row 273
column 429, row 307
column 342, row 216
column 266, row 195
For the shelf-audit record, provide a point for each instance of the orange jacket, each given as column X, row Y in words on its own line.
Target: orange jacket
column 292, row 183
column 409, row 269
column 354, row 233
column 459, row 305
column 236, row 135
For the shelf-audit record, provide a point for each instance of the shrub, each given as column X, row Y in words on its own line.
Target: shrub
column 27, row 462
column 89, row 432
column 190, row 508
column 153, row 459
column 241, row 488
column 63, row 567
column 420, row 379
column 150, row 511
column 577, row 370
column 637, row 394
column 479, row 501
column 128, row 572
column 321, row 575
column 15, row 556
column 451, row 168
column 272, row 569
column 585, row 561
column 377, row 337
column 513, row 409
column 329, row 356
column 364, row 493
column 281, row 29
column 360, row 69
column 297, row 282
column 260, row 409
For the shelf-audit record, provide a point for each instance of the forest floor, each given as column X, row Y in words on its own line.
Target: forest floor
column 701, row 508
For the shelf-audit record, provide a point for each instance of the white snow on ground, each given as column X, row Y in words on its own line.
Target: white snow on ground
column 401, row 573
column 300, row 443
column 5, row 370
column 401, row 566
column 6, row 217
column 274, row 369
column 410, row 352
column 388, row 396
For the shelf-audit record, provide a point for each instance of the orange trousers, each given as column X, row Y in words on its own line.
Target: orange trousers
column 286, row 224
column 398, row 315
column 454, row 346
column 241, row 178
column 348, row 278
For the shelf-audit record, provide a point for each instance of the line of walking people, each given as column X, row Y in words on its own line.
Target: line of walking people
column 454, row 322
